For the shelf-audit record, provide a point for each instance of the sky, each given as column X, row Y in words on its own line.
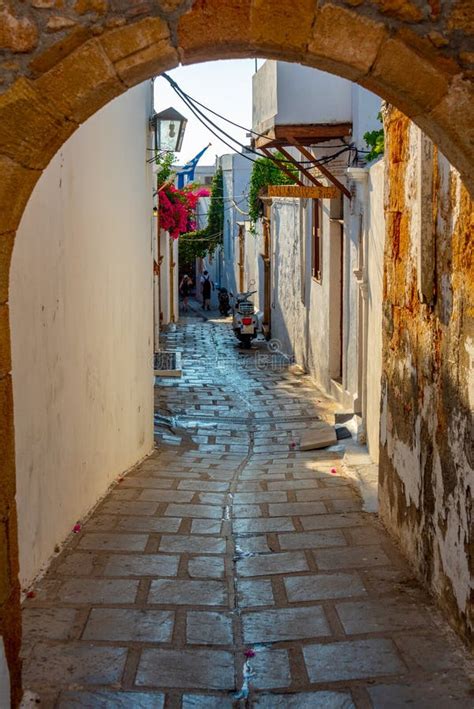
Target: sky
column 224, row 86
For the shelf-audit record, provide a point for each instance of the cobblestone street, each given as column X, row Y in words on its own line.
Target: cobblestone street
column 226, row 541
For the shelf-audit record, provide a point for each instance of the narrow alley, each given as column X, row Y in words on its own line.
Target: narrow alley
column 230, row 569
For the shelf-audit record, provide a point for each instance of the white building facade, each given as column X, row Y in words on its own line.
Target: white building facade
column 318, row 263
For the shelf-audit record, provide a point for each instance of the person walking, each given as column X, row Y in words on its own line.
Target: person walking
column 206, row 286
column 185, row 290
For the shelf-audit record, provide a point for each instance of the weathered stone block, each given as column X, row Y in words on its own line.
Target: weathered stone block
column 15, row 188
column 230, row 23
column 7, row 447
column 427, row 85
column 343, row 36
column 45, row 60
column 35, row 139
column 5, row 573
column 277, row 24
column 97, row 6
column 82, row 83
column 141, row 50
column 5, row 355
column 6, row 248
column 17, row 34
column 57, row 23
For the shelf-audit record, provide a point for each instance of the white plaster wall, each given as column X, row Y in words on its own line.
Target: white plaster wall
column 375, row 254
column 81, row 303
column 365, row 109
column 285, row 94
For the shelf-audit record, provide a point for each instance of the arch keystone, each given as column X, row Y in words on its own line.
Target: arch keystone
column 280, row 24
column 215, row 24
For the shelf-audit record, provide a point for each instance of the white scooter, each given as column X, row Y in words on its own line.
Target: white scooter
column 244, row 318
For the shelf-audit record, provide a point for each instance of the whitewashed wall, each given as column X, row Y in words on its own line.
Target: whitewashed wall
column 375, row 255
column 81, row 304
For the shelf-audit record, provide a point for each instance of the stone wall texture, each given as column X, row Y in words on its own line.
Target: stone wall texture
column 62, row 60
column 426, row 460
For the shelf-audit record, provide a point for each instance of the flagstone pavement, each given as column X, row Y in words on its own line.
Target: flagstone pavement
column 230, row 562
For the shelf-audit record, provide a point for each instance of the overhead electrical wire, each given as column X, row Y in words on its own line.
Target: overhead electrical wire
column 205, row 121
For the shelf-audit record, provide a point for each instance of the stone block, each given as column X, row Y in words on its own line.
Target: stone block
column 231, row 30
column 210, row 567
column 6, row 249
column 110, row 700
column 357, row 659
column 141, row 565
column 272, row 669
column 348, row 39
column 147, row 524
column 304, row 700
column 129, row 625
column 140, row 50
column 17, row 34
column 422, row 89
column 377, row 616
column 312, row 540
column 98, row 591
column 44, row 60
column 318, row 438
column 82, row 82
column 7, row 448
column 202, row 511
column 351, row 558
column 320, row 587
column 194, row 544
column 36, row 138
column 276, row 24
column 252, row 594
column 267, row 564
column 189, row 593
column 5, row 567
column 294, row 509
column 113, row 542
column 207, row 628
column 5, row 354
column 263, row 525
column 196, row 669
column 74, row 663
column 16, row 186
column 279, row 624
column 47, row 623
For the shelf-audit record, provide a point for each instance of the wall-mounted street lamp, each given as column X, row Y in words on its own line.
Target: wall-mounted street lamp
column 169, row 127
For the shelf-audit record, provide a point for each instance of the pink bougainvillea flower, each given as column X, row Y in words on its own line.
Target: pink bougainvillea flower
column 333, row 471
column 77, row 528
column 249, row 653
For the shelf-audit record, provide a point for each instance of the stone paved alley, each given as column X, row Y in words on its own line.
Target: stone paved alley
column 226, row 540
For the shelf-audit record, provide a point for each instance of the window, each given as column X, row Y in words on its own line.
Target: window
column 208, row 180
column 316, row 239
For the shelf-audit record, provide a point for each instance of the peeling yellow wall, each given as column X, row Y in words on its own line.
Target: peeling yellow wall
column 427, row 459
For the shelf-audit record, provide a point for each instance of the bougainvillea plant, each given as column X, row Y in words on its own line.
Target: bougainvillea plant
column 176, row 207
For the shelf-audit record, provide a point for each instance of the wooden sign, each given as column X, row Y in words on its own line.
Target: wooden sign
column 303, row 192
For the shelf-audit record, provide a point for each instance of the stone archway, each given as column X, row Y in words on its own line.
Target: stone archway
column 62, row 64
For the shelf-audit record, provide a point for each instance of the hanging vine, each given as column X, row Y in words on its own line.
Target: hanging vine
column 265, row 172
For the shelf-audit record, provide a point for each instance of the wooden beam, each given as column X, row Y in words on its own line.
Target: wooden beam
column 321, row 168
column 300, row 167
column 297, row 192
column 282, row 166
column 312, row 130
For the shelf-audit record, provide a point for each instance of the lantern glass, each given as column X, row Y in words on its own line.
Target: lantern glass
column 169, row 127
